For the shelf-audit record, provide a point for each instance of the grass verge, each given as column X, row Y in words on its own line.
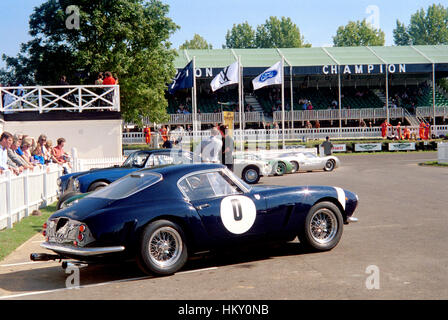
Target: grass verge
column 433, row 164
column 11, row 239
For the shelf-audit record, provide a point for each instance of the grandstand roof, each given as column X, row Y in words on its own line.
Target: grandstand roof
column 315, row 56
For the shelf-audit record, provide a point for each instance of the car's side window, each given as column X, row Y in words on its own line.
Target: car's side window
column 208, row 185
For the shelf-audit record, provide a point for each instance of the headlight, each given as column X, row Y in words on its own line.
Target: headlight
column 76, row 185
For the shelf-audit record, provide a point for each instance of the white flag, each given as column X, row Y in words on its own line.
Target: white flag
column 226, row 77
column 273, row 75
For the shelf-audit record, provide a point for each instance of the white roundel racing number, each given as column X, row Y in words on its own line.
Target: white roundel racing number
column 238, row 213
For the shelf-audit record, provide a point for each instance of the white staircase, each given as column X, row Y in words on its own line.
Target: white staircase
column 253, row 102
column 382, row 97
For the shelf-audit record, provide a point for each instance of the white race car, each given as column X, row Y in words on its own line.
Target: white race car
column 307, row 161
column 251, row 169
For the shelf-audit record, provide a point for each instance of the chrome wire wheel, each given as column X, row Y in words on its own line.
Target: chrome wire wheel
column 165, row 247
column 323, row 226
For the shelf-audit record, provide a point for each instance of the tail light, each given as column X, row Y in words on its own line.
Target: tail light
column 44, row 229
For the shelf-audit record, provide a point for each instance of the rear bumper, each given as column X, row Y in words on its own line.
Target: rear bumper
column 85, row 252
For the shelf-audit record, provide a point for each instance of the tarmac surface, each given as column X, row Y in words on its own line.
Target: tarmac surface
column 397, row 250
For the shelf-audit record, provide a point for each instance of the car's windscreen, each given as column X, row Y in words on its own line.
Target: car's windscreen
column 127, row 186
column 136, row 160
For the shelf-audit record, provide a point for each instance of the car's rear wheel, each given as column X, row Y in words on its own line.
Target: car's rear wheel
column 163, row 250
column 251, row 175
column 281, row 169
column 323, row 227
column 330, row 165
column 295, row 166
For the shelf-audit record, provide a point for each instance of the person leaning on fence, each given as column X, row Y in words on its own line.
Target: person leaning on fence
column 211, row 147
column 6, row 140
column 15, row 158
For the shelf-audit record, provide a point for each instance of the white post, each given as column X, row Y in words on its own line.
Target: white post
column 8, row 199
column 193, row 99
column 387, row 93
column 292, row 98
column 26, row 193
column 434, row 97
column 339, row 99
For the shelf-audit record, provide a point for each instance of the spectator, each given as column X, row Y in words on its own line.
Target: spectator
column 211, row 148
column 15, row 157
column 109, row 80
column 167, row 144
column 227, row 148
column 6, row 140
column 147, row 133
column 328, row 146
column 61, row 155
column 99, row 79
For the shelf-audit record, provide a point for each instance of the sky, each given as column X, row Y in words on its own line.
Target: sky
column 317, row 20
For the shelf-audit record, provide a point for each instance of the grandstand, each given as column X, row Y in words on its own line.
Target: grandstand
column 369, row 77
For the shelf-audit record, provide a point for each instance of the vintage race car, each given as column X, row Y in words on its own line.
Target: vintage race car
column 279, row 166
column 251, row 168
column 307, row 161
column 95, row 179
column 164, row 215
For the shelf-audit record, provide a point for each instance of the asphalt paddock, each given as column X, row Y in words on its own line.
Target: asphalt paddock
column 397, row 250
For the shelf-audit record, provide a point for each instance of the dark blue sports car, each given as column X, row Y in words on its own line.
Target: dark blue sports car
column 162, row 216
column 95, row 179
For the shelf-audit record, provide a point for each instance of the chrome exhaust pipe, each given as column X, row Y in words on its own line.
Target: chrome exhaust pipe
column 45, row 257
column 352, row 219
column 73, row 264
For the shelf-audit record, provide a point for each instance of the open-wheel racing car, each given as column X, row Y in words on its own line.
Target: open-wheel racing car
column 161, row 216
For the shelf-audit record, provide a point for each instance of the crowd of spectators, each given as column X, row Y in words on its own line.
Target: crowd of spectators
column 21, row 152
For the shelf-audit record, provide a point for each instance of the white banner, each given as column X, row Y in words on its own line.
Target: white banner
column 401, row 146
column 226, row 77
column 368, row 147
column 272, row 75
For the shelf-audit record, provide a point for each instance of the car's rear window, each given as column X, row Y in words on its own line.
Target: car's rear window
column 127, row 185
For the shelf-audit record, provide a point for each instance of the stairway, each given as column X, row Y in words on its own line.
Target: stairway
column 253, row 102
column 382, row 97
column 413, row 120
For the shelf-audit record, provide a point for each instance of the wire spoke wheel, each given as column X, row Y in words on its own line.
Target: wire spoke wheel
column 165, row 246
column 324, row 226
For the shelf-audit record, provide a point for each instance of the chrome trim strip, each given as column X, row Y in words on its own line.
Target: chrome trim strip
column 81, row 251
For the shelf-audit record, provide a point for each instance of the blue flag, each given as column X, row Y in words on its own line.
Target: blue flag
column 183, row 79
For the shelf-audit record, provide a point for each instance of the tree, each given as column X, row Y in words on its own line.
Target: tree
column 425, row 28
column 241, row 36
column 401, row 35
column 279, row 33
column 127, row 37
column 197, row 42
column 358, row 33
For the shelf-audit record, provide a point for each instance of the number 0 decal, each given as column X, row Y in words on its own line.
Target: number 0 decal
column 238, row 213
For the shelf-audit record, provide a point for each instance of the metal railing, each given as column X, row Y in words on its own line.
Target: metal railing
column 333, row 114
column 301, row 134
column 51, row 98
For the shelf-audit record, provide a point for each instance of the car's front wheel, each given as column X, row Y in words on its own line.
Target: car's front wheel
column 323, row 227
column 163, row 250
column 251, row 175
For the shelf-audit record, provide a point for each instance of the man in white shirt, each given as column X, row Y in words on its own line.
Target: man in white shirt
column 6, row 140
column 211, row 151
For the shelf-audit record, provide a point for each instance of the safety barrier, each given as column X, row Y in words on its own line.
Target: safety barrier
column 20, row 195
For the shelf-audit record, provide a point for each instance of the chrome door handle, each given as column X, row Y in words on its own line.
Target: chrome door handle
column 202, row 206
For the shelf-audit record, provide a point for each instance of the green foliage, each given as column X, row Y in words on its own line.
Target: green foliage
column 242, row 36
column 358, row 33
column 197, row 42
column 127, row 37
column 425, row 28
column 274, row 33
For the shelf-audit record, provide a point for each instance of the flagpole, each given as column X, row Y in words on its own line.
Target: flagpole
column 240, row 103
column 193, row 99
column 283, row 103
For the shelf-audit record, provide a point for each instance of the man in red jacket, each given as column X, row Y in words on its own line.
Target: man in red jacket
column 108, row 80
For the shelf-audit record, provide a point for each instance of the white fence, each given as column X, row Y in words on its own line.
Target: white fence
column 20, row 195
column 51, row 98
